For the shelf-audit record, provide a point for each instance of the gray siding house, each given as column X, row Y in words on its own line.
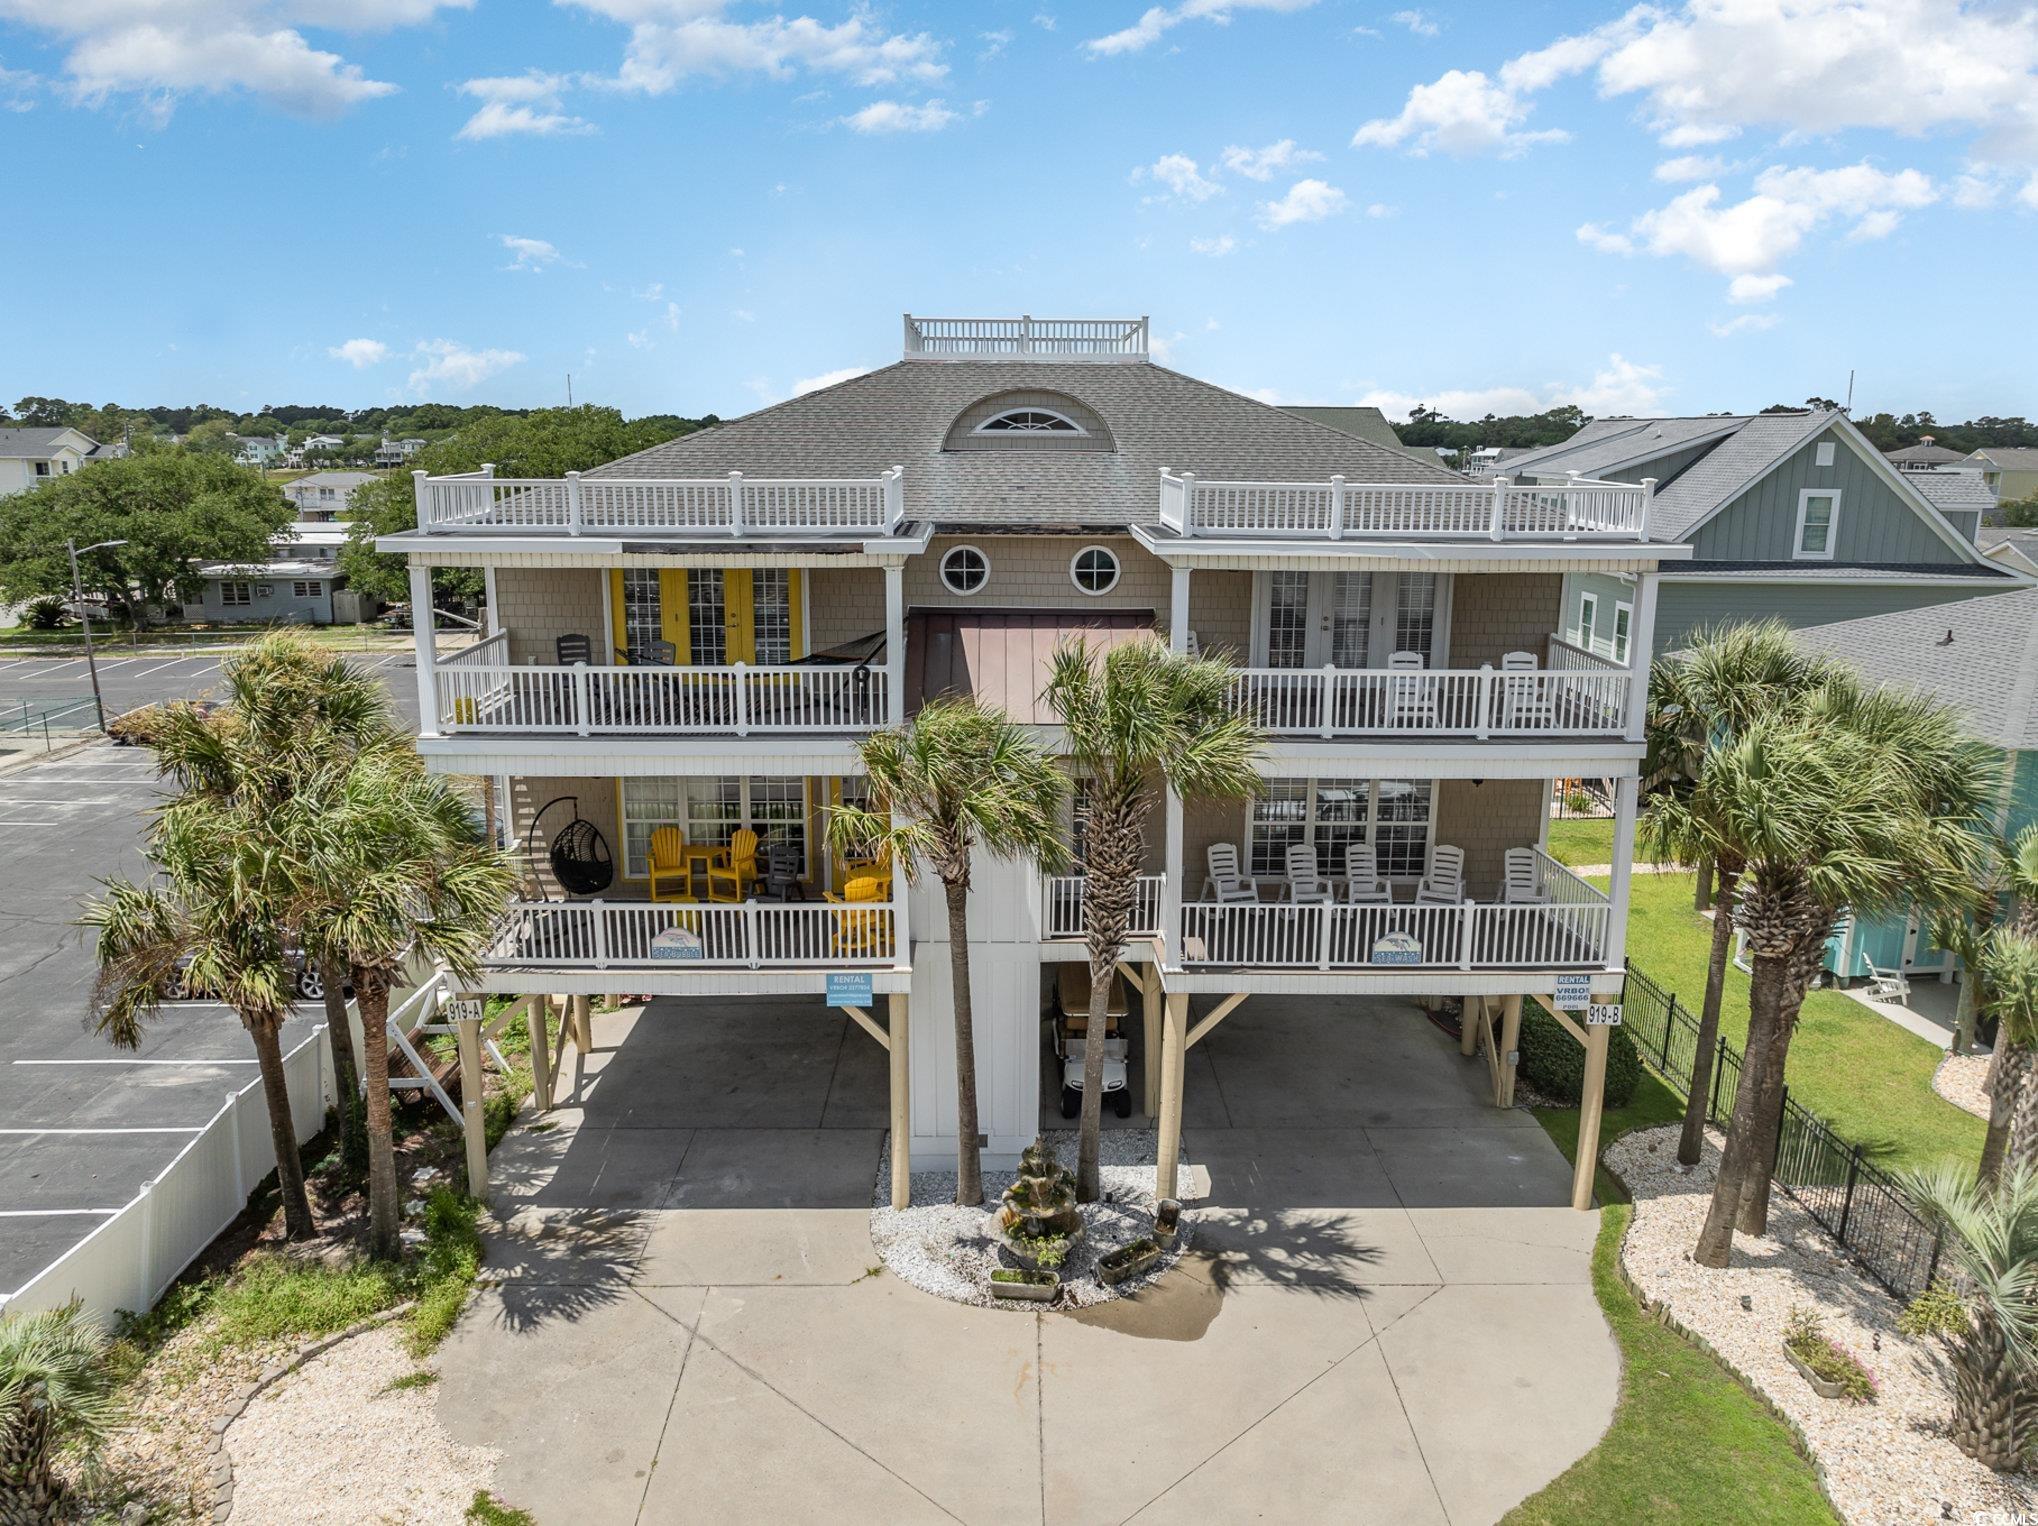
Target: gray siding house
column 1791, row 515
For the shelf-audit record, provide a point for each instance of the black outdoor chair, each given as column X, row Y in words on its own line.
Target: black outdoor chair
column 571, row 649
column 781, row 878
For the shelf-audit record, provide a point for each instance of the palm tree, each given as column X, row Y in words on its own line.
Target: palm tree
column 215, row 923
column 1699, row 701
column 388, row 867
column 55, row 1390
column 1992, row 1234
column 960, row 778
column 2006, row 973
column 1140, row 720
column 1866, row 800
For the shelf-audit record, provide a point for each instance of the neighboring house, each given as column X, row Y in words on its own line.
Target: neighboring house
column 1979, row 655
column 296, row 586
column 2011, row 470
column 259, row 450
column 396, row 452
column 1362, row 423
column 2016, row 549
column 1489, row 461
column 1791, row 515
column 31, row 457
column 758, row 597
column 1923, row 456
column 324, row 496
column 1960, row 494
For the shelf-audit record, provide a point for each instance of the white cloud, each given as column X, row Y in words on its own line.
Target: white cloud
column 1417, row 22
column 1181, row 176
column 743, row 315
column 1381, row 209
column 1977, row 192
column 360, row 353
column 1746, row 323
column 1265, row 163
column 901, row 116
column 1461, row 113
column 672, row 316
column 1743, row 290
column 1691, row 167
column 808, row 384
column 531, row 254
column 17, row 89
column 1619, row 387
column 674, row 40
column 1156, row 21
column 448, row 362
column 1216, row 247
column 994, row 43
column 639, row 339
column 162, row 52
column 1307, row 201
column 525, row 105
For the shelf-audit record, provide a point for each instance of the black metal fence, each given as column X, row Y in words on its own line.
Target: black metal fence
column 1852, row 1199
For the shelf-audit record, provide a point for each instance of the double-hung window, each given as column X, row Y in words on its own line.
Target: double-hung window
column 1623, row 622
column 236, row 595
column 1588, row 617
column 709, row 811
column 1332, row 814
column 1818, row 523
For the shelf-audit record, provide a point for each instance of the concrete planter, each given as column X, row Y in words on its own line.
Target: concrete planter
column 1026, row 1286
column 1825, row 1388
column 1127, row 1261
column 1167, row 1219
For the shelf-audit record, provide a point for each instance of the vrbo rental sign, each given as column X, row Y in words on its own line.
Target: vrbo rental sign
column 1397, row 947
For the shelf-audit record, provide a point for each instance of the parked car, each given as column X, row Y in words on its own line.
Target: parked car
column 1071, row 1025
column 305, row 977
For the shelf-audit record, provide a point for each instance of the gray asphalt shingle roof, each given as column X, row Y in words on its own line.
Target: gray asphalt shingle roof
column 1881, row 572
column 1751, row 450
column 900, row 415
column 1605, row 444
column 1989, row 669
column 1927, row 455
column 18, row 444
column 2011, row 458
column 1953, row 491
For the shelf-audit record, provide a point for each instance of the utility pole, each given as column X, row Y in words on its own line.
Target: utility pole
column 569, row 389
column 85, row 619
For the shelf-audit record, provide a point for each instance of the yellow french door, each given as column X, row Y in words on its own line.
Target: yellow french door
column 712, row 616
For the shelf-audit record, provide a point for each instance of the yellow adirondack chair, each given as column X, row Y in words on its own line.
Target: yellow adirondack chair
column 734, row 869
column 669, row 865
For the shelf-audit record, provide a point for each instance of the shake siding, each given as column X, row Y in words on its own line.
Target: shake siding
column 1682, row 608
column 539, row 604
column 844, row 604
column 1032, row 572
column 1486, row 819
column 1494, row 614
column 598, row 803
column 1221, row 612
column 1876, row 525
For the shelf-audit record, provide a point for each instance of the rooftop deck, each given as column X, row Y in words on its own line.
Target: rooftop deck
column 1341, row 510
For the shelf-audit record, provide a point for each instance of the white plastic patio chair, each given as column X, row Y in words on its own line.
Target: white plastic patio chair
column 1363, row 885
column 1411, row 701
column 1527, row 703
column 1888, row 985
column 1306, row 885
column 1224, row 882
column 1444, row 885
column 1523, row 882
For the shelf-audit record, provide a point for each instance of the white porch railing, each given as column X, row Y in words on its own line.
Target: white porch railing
column 1475, row 702
column 738, row 700
column 1016, row 338
column 1569, row 931
column 1337, row 509
column 481, row 502
column 1570, row 657
column 489, row 651
column 1061, row 909
column 608, row 935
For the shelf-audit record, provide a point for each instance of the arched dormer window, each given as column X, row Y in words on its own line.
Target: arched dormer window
column 1029, row 419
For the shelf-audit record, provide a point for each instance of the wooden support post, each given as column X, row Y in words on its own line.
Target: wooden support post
column 1471, row 1013
column 472, row 1125
column 1590, row 1106
column 583, row 1023
column 541, row 1053
column 1510, row 1046
column 1150, row 1013
column 1174, row 1064
column 902, row 1101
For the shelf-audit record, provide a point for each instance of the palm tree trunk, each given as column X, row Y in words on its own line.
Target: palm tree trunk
column 1691, row 1143
column 1986, row 1399
column 1716, row 1239
column 1701, row 895
column 2021, row 1148
column 346, row 1069
column 1753, row 1218
column 2009, row 1071
column 371, row 994
column 29, row 1489
column 265, row 1030
column 969, row 1167
column 1111, row 874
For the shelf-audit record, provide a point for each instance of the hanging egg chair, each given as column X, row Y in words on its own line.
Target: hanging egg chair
column 578, row 855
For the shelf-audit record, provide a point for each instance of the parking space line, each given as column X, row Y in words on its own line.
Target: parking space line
column 118, row 1060
column 53, row 1213
column 194, row 1129
column 66, row 663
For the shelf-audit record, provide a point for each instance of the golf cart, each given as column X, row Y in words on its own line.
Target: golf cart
column 1071, row 1024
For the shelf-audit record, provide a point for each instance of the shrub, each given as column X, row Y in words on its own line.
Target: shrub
column 1553, row 1062
column 1806, row 1339
column 45, row 614
column 1939, row 1310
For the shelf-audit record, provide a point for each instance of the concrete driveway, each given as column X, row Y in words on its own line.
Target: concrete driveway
column 1387, row 1316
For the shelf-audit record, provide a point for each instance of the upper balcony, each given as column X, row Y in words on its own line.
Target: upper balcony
column 1337, row 510
column 1026, row 338
column 732, row 506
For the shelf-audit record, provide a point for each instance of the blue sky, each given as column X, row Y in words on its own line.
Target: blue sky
column 698, row 205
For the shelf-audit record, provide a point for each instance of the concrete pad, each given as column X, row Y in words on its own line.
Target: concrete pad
column 1510, row 1384
column 860, row 1094
column 72, row 1171
column 1334, row 1253
column 1291, row 1168
column 587, row 1248
column 734, row 1246
column 576, row 1398
column 1342, row 1445
column 1508, row 1244
column 777, row 1168
column 1474, row 1167
column 587, row 1167
column 735, row 1450
column 942, row 1396
column 1123, row 1419
column 1202, row 1099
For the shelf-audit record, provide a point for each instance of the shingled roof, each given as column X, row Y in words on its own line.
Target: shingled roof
column 901, row 415
column 1607, row 444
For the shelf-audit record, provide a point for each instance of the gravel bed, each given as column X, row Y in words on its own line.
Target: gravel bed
column 950, row 1251
column 332, row 1445
column 1885, row 1463
column 1962, row 1079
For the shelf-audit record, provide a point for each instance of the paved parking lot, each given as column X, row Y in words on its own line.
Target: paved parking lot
column 129, row 678
column 82, row 1124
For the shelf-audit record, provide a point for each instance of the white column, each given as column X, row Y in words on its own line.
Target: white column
column 895, row 643
column 488, row 596
column 472, row 1126
column 424, row 640
column 1624, row 793
column 1178, row 610
column 1171, row 887
column 1641, row 642
column 902, row 1100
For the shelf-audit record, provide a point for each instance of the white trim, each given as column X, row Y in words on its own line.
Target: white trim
column 1075, row 429
column 1823, row 453
column 1926, row 579
column 941, row 570
column 1798, row 553
column 1587, row 631
column 614, row 757
column 1117, row 571
column 1622, row 642
column 1405, row 556
column 1513, row 758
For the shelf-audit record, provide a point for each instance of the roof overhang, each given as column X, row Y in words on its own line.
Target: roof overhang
column 438, row 550
column 2010, row 577
column 1412, row 980
column 635, row 757
column 677, row 980
column 1220, row 552
column 1579, row 758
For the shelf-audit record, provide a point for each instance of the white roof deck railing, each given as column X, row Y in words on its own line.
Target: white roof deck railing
column 1340, row 510
column 734, row 505
column 1025, row 337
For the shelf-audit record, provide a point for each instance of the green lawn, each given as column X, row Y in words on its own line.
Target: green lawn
column 1862, row 1073
column 1688, row 1442
column 1582, row 840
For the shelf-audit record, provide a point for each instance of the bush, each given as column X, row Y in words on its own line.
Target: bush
column 1553, row 1062
column 1805, row 1336
column 45, row 614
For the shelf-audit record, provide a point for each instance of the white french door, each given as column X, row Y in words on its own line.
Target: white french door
column 1349, row 619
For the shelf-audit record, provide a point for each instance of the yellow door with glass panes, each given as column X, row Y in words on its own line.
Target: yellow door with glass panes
column 711, row 616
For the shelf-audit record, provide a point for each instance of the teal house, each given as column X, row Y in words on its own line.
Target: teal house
column 1791, row 515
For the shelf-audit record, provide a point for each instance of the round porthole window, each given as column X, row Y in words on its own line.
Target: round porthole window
column 964, row 569
column 1095, row 569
